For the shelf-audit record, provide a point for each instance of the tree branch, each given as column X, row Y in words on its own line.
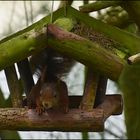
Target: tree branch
column 74, row 120
column 14, row 86
column 85, row 51
column 129, row 41
column 33, row 39
column 90, row 89
column 98, row 5
column 28, row 41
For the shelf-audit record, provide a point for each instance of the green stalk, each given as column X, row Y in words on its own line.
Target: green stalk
column 98, row 5
column 127, row 40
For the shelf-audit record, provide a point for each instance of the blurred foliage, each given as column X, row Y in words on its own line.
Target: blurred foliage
column 5, row 134
column 115, row 16
column 85, row 136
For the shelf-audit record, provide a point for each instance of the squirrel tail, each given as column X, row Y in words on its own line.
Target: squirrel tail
column 56, row 65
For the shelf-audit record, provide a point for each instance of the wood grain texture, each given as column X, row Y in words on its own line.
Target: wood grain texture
column 54, row 120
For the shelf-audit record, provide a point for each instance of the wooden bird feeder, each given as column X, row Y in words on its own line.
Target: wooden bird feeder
column 86, row 113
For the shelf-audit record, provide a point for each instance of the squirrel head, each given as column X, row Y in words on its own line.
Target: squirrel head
column 48, row 96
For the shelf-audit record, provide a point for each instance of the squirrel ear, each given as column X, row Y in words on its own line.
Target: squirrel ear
column 43, row 74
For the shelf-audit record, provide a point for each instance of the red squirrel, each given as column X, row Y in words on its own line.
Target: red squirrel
column 50, row 91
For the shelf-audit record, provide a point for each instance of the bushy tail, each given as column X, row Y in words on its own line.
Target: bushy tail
column 56, row 65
